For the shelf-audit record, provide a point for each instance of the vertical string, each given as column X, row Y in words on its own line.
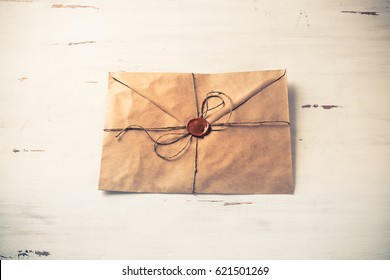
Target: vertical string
column 196, row 95
column 196, row 138
column 195, row 165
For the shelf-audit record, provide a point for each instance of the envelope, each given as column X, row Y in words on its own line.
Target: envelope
column 225, row 133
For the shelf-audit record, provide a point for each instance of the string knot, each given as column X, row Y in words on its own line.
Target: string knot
column 196, row 127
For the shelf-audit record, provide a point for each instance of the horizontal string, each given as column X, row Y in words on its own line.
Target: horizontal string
column 167, row 128
column 170, row 128
column 250, row 123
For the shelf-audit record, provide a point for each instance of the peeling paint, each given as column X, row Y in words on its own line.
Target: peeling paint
column 27, row 253
column 225, row 203
column 236, row 203
column 22, row 79
column 81, row 43
column 26, row 151
column 23, row 254
column 362, row 13
column 327, row 107
column 5, row 257
column 60, row 6
column 42, row 253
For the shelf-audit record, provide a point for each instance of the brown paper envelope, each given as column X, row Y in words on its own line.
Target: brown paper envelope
column 240, row 159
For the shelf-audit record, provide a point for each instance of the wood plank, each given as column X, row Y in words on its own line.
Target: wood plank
column 54, row 61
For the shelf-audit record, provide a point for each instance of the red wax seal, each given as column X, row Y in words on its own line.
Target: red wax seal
column 198, row 127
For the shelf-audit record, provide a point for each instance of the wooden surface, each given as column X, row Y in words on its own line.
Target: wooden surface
column 54, row 59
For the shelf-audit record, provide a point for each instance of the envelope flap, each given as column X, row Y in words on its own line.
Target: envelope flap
column 255, row 96
column 172, row 93
column 265, row 91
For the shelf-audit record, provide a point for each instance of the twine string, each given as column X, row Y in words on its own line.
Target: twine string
column 162, row 140
column 195, row 165
column 217, row 95
column 146, row 130
column 196, row 96
column 180, row 137
column 172, row 138
column 235, row 124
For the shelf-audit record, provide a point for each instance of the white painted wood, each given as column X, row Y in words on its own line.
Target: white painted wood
column 54, row 62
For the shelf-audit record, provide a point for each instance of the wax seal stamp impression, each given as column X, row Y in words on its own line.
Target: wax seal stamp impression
column 198, row 127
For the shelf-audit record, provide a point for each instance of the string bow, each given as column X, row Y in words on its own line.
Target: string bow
column 189, row 131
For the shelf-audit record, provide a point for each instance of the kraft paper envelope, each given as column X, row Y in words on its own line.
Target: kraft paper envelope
column 223, row 133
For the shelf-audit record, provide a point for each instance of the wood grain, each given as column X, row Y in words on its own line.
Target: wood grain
column 54, row 61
